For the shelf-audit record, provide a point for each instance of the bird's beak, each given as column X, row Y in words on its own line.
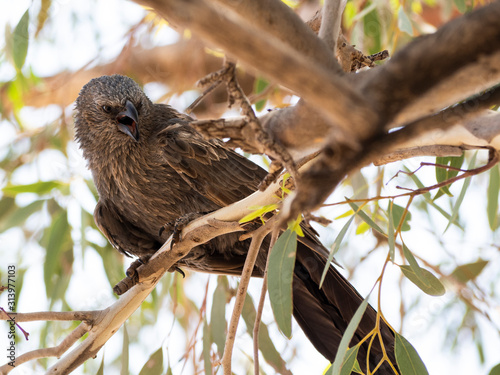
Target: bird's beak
column 128, row 121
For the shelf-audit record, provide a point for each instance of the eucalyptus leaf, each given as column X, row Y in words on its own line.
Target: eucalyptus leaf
column 470, row 271
column 407, row 358
column 429, row 285
column 218, row 314
column 154, row 365
column 266, row 346
column 346, row 338
column 492, row 197
column 20, row 40
column 280, row 276
column 365, row 217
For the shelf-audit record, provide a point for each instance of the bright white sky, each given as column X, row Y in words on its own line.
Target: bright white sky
column 75, row 45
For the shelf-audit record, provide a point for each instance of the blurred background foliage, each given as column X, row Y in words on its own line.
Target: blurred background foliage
column 51, row 48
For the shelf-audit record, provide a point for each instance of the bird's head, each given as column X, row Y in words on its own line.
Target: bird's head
column 110, row 109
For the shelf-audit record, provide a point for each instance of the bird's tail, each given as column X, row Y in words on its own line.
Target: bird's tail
column 323, row 314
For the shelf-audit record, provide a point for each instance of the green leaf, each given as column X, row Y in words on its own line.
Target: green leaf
column 338, row 241
column 460, row 5
column 259, row 86
column 59, row 255
column 43, row 15
column 124, row 359
column 429, row 285
column 154, row 365
column 391, row 234
column 259, row 212
column 7, row 206
column 218, row 314
column 407, row 358
column 397, row 214
column 294, row 226
column 495, row 370
column 443, row 174
column 266, row 346
column 206, row 348
column 280, row 276
column 427, row 197
column 365, row 217
column 492, row 196
column 413, row 263
column 346, row 338
column 470, row 271
column 349, row 361
column 461, row 196
column 20, row 41
column 373, row 30
column 100, row 371
column 404, row 22
column 40, row 188
column 20, row 215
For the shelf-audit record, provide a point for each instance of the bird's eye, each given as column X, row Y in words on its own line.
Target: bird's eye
column 106, row 108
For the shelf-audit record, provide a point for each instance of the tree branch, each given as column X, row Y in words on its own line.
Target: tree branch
column 197, row 232
column 330, row 24
column 468, row 44
column 328, row 92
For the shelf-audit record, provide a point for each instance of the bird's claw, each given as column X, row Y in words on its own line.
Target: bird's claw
column 132, row 269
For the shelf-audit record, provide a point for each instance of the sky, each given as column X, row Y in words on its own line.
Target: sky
column 69, row 42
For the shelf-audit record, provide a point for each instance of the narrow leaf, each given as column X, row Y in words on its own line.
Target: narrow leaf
column 259, row 211
column 280, row 274
column 154, row 365
column 40, row 188
column 404, row 22
column 431, row 286
column 391, row 235
column 20, row 40
column 397, row 214
column 100, row 371
column 218, row 314
column 206, row 348
column 336, row 247
column 347, row 336
column 460, row 5
column 427, row 197
column 407, row 358
column 470, row 271
column 492, row 195
column 413, row 263
column 349, row 361
column 266, row 346
column 365, row 217
column 20, row 215
column 125, row 353
column 43, row 15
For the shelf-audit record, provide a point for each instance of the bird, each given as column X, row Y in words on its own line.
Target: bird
column 151, row 167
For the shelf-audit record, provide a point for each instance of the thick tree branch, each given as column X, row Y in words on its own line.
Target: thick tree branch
column 334, row 164
column 331, row 19
column 278, row 20
column 328, row 92
column 469, row 42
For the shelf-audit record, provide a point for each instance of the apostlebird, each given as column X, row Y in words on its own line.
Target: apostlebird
column 150, row 167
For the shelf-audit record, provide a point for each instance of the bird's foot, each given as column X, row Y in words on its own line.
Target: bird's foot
column 132, row 269
column 178, row 225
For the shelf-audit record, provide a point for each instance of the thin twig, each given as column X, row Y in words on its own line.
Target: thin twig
column 260, row 308
column 253, row 251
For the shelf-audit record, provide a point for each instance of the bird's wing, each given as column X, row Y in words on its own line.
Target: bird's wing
column 214, row 171
column 123, row 235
